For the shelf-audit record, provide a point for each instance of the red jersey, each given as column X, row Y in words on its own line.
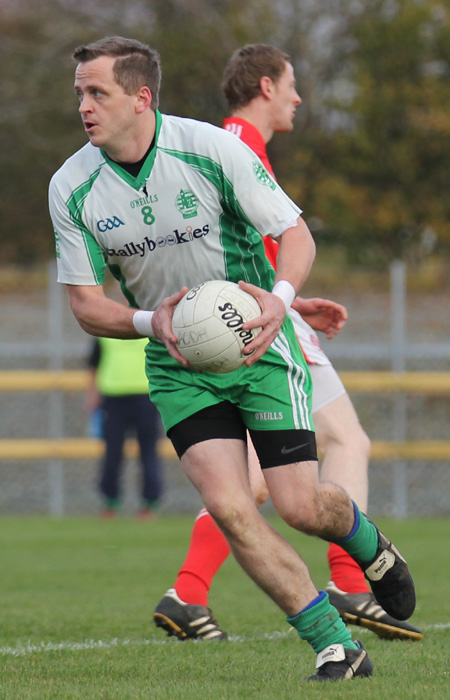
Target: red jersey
column 250, row 135
column 307, row 337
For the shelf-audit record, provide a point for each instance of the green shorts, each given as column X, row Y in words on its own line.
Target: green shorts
column 273, row 394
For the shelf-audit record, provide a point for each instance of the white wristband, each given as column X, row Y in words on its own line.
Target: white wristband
column 142, row 321
column 286, row 292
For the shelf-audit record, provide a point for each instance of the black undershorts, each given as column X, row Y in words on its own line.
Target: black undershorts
column 223, row 421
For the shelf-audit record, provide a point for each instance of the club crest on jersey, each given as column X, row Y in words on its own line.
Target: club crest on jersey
column 262, row 175
column 187, row 203
column 108, row 224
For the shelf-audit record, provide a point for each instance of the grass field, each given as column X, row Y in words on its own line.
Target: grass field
column 77, row 597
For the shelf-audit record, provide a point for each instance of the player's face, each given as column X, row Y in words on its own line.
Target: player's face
column 286, row 100
column 107, row 112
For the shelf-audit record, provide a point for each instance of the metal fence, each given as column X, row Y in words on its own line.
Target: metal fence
column 387, row 330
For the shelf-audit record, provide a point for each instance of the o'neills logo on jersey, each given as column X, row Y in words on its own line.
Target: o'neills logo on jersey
column 149, row 244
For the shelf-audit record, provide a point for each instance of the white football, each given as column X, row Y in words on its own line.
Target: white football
column 208, row 324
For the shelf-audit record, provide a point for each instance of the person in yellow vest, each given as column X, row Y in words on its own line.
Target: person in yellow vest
column 119, row 389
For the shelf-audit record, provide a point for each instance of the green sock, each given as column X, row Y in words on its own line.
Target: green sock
column 320, row 625
column 113, row 503
column 151, row 503
column 362, row 542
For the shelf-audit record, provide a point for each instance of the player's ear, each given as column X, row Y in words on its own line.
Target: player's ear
column 144, row 99
column 266, row 85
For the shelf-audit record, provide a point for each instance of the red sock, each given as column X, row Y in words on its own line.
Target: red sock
column 208, row 550
column 345, row 572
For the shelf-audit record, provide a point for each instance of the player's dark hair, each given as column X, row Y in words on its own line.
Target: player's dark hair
column 241, row 81
column 136, row 65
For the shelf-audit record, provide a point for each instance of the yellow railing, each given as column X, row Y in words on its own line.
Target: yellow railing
column 430, row 383
column 70, row 448
column 427, row 383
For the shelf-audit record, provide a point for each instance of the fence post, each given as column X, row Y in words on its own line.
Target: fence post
column 56, row 398
column 398, row 364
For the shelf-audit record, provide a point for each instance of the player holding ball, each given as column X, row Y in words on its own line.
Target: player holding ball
column 167, row 203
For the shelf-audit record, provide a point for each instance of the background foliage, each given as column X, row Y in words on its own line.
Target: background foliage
column 368, row 160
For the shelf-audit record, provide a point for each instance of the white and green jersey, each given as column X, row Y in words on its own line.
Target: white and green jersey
column 196, row 211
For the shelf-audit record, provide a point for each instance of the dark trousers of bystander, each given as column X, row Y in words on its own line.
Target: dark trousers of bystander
column 122, row 417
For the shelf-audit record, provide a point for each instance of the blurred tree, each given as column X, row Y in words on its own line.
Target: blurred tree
column 376, row 174
column 195, row 39
column 368, row 159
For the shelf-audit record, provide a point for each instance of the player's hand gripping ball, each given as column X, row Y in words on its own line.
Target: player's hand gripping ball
column 208, row 324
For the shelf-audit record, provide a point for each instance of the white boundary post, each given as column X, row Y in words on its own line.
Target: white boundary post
column 398, row 364
column 56, row 398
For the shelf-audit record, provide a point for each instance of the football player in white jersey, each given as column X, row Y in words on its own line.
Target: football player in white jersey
column 167, row 203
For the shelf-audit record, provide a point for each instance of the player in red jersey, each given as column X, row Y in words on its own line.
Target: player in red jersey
column 259, row 85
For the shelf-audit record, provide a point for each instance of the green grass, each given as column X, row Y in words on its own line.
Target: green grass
column 77, row 596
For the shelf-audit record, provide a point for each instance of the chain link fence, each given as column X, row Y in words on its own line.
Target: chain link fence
column 387, row 330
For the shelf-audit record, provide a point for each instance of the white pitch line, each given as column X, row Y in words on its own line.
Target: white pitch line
column 39, row 647
column 32, row 647
column 36, row 647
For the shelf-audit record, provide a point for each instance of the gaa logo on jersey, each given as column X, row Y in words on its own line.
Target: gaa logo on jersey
column 108, row 224
column 187, row 203
column 263, row 176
